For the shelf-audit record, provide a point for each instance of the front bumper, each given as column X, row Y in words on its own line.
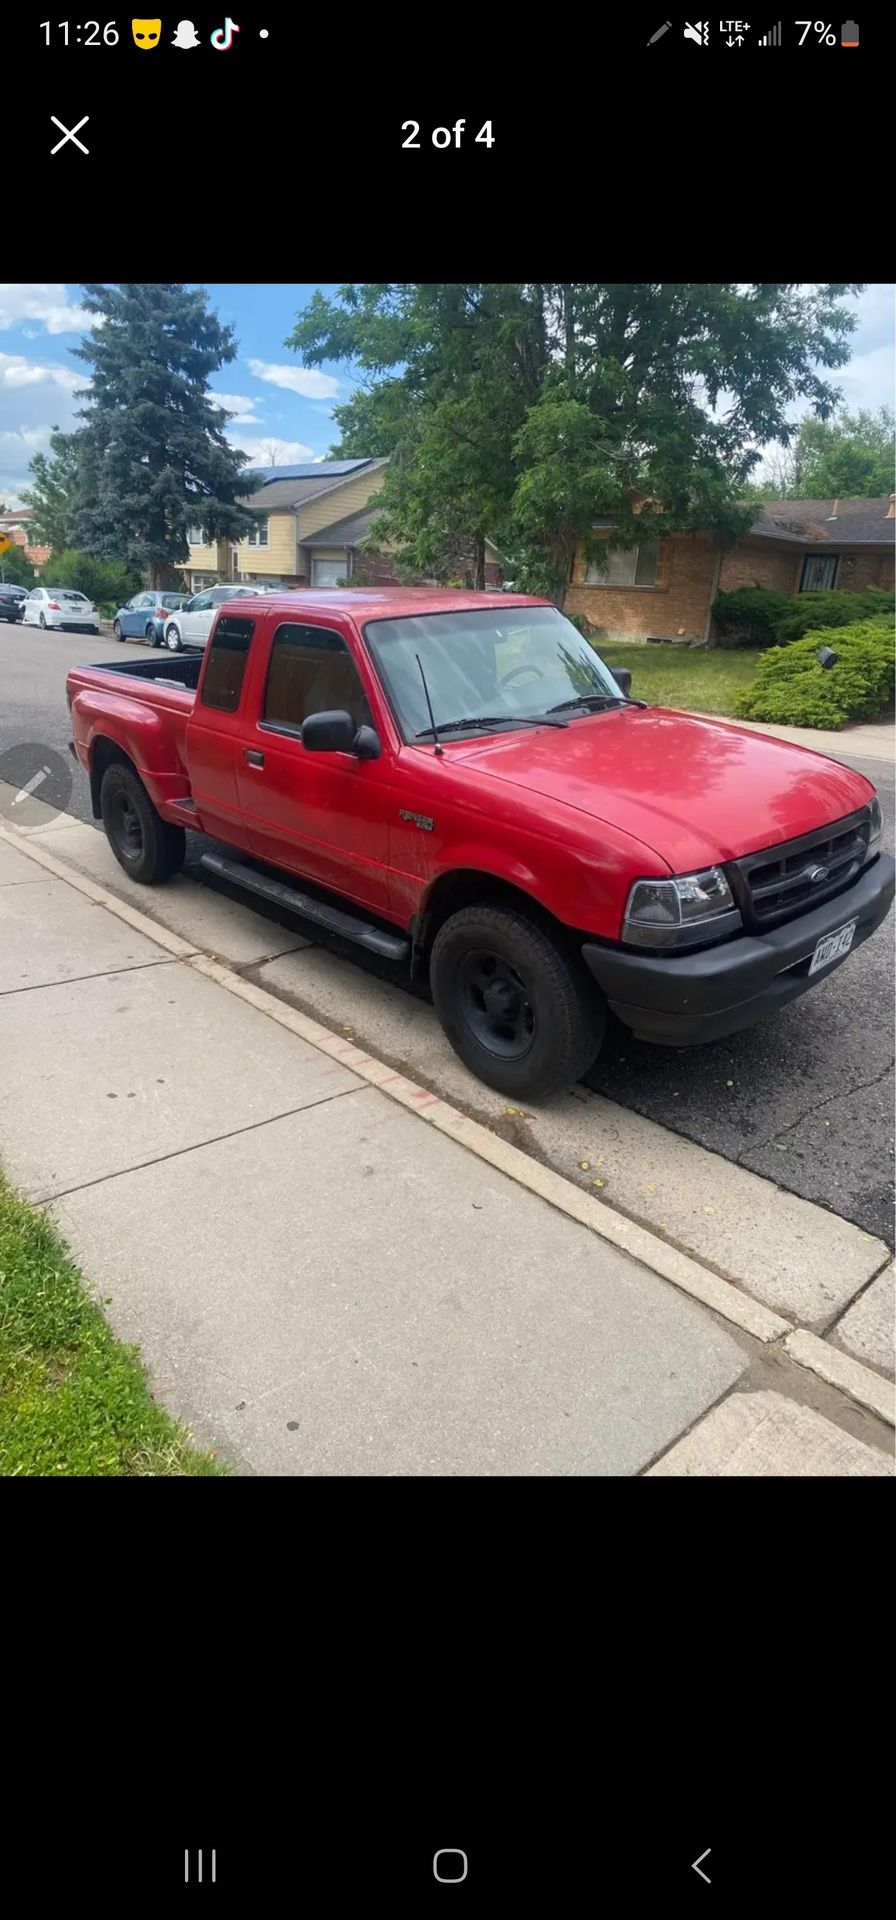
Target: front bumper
column 682, row 1000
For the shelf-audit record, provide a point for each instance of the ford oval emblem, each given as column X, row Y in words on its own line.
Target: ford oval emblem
column 817, row 874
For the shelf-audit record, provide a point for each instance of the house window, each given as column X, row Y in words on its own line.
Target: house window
column 328, row 573
column 259, row 536
column 819, row 572
column 195, row 537
column 226, row 664
column 311, row 671
column 626, row 567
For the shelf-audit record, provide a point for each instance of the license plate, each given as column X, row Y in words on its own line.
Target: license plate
column 832, row 946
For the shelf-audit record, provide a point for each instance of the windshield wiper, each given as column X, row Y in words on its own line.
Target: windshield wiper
column 490, row 720
column 591, row 702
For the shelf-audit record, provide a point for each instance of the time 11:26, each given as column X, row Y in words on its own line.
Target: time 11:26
column 93, row 34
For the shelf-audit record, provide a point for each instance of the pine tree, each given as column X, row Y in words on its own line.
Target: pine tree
column 152, row 452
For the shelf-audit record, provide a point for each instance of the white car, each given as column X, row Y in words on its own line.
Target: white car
column 192, row 624
column 61, row 607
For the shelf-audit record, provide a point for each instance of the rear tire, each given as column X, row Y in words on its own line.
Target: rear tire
column 148, row 848
column 517, row 1008
column 149, row 635
column 42, row 622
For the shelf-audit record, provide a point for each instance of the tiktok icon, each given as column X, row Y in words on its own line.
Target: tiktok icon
column 222, row 39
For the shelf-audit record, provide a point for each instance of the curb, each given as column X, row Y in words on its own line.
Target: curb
column 689, row 1276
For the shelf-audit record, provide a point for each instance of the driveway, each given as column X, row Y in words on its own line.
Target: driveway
column 807, row 1099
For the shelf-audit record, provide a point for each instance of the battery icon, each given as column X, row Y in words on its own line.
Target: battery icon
column 849, row 33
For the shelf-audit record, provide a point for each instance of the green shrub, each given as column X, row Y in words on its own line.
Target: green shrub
column 748, row 616
column 793, row 689
column 104, row 581
column 832, row 609
column 582, row 623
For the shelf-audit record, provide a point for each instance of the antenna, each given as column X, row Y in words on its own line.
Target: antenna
column 437, row 748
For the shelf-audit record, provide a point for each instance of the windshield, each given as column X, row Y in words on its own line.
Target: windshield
column 500, row 664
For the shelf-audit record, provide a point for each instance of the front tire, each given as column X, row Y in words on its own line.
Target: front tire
column 517, row 1008
column 42, row 622
column 172, row 639
column 116, row 629
column 148, row 848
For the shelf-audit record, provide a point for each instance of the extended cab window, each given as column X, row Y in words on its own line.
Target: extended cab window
column 225, row 667
column 312, row 671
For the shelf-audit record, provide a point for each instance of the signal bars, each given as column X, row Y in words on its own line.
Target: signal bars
column 772, row 38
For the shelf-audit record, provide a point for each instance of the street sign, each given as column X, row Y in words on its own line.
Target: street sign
column 5, row 543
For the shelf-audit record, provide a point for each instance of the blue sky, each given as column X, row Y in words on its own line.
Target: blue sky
column 271, row 397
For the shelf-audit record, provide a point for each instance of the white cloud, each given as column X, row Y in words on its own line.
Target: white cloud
column 17, row 449
column 268, row 451
column 16, row 371
column 304, row 380
column 44, row 301
column 240, row 406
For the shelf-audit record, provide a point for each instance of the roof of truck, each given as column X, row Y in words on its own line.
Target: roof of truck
column 393, row 603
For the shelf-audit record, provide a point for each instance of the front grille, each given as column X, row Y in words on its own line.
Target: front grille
column 775, row 885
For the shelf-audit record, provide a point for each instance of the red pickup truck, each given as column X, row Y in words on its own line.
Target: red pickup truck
column 460, row 783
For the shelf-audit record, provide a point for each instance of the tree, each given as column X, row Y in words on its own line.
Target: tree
column 849, row 457
column 55, row 491
column 525, row 412
column 152, row 454
column 15, row 567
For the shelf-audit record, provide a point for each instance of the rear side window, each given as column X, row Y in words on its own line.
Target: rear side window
column 225, row 668
column 312, row 671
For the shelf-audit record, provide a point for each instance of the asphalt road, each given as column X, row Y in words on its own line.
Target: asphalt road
column 806, row 1099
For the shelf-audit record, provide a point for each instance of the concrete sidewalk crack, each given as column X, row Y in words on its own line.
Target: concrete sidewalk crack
column 195, row 1146
column 74, row 979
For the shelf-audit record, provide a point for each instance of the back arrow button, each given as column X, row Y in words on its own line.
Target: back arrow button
column 697, row 1867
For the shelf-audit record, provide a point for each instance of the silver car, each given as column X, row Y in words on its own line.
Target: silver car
column 191, row 626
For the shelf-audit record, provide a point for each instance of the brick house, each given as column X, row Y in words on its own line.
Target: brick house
column 16, row 525
column 665, row 588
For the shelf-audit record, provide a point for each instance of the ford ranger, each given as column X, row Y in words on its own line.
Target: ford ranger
column 458, row 782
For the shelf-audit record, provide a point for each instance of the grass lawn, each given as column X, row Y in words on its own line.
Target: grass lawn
column 707, row 679
column 73, row 1400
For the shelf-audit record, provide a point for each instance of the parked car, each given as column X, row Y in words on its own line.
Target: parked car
column 193, row 624
column 468, row 788
column 12, row 601
column 144, row 616
column 61, row 607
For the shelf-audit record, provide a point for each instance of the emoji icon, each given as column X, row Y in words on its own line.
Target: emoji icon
column 185, row 35
column 222, row 41
column 146, row 33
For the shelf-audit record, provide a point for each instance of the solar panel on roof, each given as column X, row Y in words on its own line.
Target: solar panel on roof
column 319, row 469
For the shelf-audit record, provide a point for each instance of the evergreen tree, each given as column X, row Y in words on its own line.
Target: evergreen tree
column 152, row 454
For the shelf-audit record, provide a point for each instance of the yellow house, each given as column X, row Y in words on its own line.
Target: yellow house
column 296, row 504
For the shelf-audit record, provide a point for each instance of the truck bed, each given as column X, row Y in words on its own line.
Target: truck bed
column 178, row 669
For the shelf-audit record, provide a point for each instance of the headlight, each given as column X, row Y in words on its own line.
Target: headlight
column 682, row 912
column 877, row 823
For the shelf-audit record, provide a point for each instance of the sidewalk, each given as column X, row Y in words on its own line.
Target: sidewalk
column 322, row 1280
column 872, row 740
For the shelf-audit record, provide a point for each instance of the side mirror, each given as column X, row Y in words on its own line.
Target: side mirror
column 337, row 733
column 623, row 679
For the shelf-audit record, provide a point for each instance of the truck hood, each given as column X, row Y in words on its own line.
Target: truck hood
column 695, row 791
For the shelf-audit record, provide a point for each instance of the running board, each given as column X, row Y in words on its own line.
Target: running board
column 390, row 946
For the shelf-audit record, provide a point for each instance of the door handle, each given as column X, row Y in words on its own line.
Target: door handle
column 254, row 758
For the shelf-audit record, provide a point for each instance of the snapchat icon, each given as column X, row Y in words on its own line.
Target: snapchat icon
column 147, row 33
